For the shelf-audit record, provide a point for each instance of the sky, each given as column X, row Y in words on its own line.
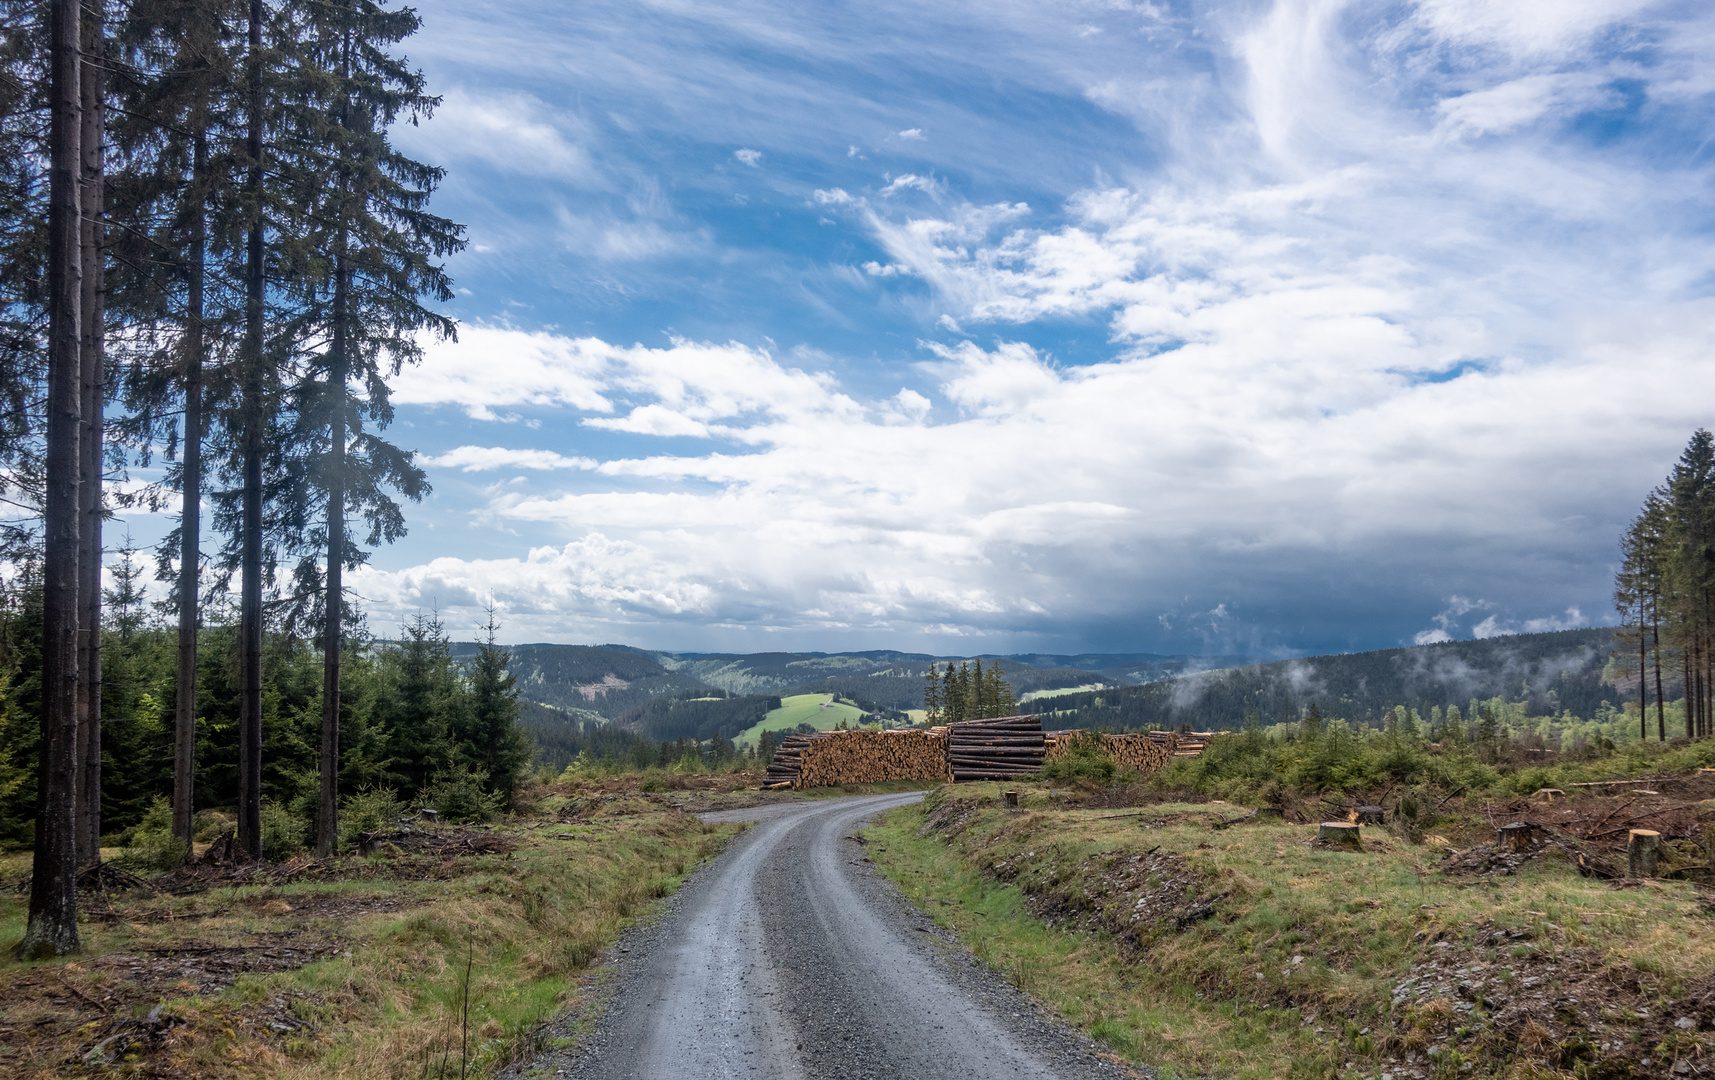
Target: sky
column 1277, row 328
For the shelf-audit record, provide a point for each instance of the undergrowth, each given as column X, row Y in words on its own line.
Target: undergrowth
column 386, row 989
column 1247, row 952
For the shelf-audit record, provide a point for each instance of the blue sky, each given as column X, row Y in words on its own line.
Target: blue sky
column 1205, row 327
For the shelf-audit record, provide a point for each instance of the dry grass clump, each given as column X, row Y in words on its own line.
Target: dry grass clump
column 1243, row 951
column 457, row 959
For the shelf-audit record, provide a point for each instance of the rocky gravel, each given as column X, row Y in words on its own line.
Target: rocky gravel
column 790, row 957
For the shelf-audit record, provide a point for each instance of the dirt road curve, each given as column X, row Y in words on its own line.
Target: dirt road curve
column 788, row 957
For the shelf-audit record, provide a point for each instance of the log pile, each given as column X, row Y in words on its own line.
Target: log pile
column 788, row 761
column 1190, row 743
column 998, row 749
column 829, row 758
column 1146, row 751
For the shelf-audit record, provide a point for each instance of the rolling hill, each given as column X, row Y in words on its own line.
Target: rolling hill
column 1550, row 672
column 692, row 695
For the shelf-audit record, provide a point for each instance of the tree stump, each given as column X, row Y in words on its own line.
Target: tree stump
column 1643, row 850
column 1342, row 834
column 1517, row 837
column 1269, row 813
column 1011, row 799
column 1370, row 815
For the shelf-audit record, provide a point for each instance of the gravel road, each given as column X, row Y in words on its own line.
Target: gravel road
column 790, row 958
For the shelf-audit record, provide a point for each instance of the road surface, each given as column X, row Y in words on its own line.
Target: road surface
column 789, row 958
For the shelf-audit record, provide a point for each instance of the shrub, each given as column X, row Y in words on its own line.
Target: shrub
column 151, row 845
column 282, row 832
column 458, row 796
column 366, row 812
column 207, row 825
column 1084, row 757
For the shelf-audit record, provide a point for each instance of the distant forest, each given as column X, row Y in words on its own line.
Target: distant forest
column 1550, row 673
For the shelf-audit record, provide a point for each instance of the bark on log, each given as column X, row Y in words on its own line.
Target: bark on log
column 1340, row 834
column 1516, row 837
column 1643, row 852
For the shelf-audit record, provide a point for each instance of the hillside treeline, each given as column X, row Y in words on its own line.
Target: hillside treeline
column 1549, row 673
column 1665, row 594
column 605, row 680
column 212, row 259
column 699, row 718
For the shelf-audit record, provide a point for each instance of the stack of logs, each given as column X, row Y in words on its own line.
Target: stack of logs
column 1187, row 743
column 1145, row 752
column 997, row 749
column 829, row 758
column 785, row 767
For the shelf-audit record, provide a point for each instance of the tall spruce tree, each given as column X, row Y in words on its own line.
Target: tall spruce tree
column 379, row 264
column 488, row 733
column 1666, row 584
column 92, row 394
column 932, row 696
column 51, row 929
column 178, row 281
column 24, row 193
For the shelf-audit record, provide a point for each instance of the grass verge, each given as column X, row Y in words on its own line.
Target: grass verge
column 418, row 962
column 1249, row 952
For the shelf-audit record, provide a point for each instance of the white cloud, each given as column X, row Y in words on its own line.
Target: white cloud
column 908, row 181
column 1065, row 492
column 1401, row 302
column 653, row 420
column 1511, row 105
column 487, row 458
column 506, row 132
column 753, row 158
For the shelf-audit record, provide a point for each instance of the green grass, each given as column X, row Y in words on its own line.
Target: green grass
column 1035, row 695
column 1297, row 933
column 529, row 923
column 803, row 709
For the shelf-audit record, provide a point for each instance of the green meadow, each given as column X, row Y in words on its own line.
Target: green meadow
column 820, row 711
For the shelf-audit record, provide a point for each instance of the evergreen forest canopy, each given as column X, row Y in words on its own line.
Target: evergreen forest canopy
column 1665, row 594
column 213, row 258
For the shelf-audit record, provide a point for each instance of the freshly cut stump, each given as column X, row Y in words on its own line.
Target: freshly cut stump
column 1518, row 837
column 1371, row 815
column 1643, row 851
column 1341, row 834
column 1011, row 799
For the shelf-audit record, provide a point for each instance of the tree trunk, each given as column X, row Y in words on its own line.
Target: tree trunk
column 1660, row 699
column 52, row 927
column 1643, row 682
column 327, row 813
column 92, row 88
column 250, row 596
column 190, row 513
